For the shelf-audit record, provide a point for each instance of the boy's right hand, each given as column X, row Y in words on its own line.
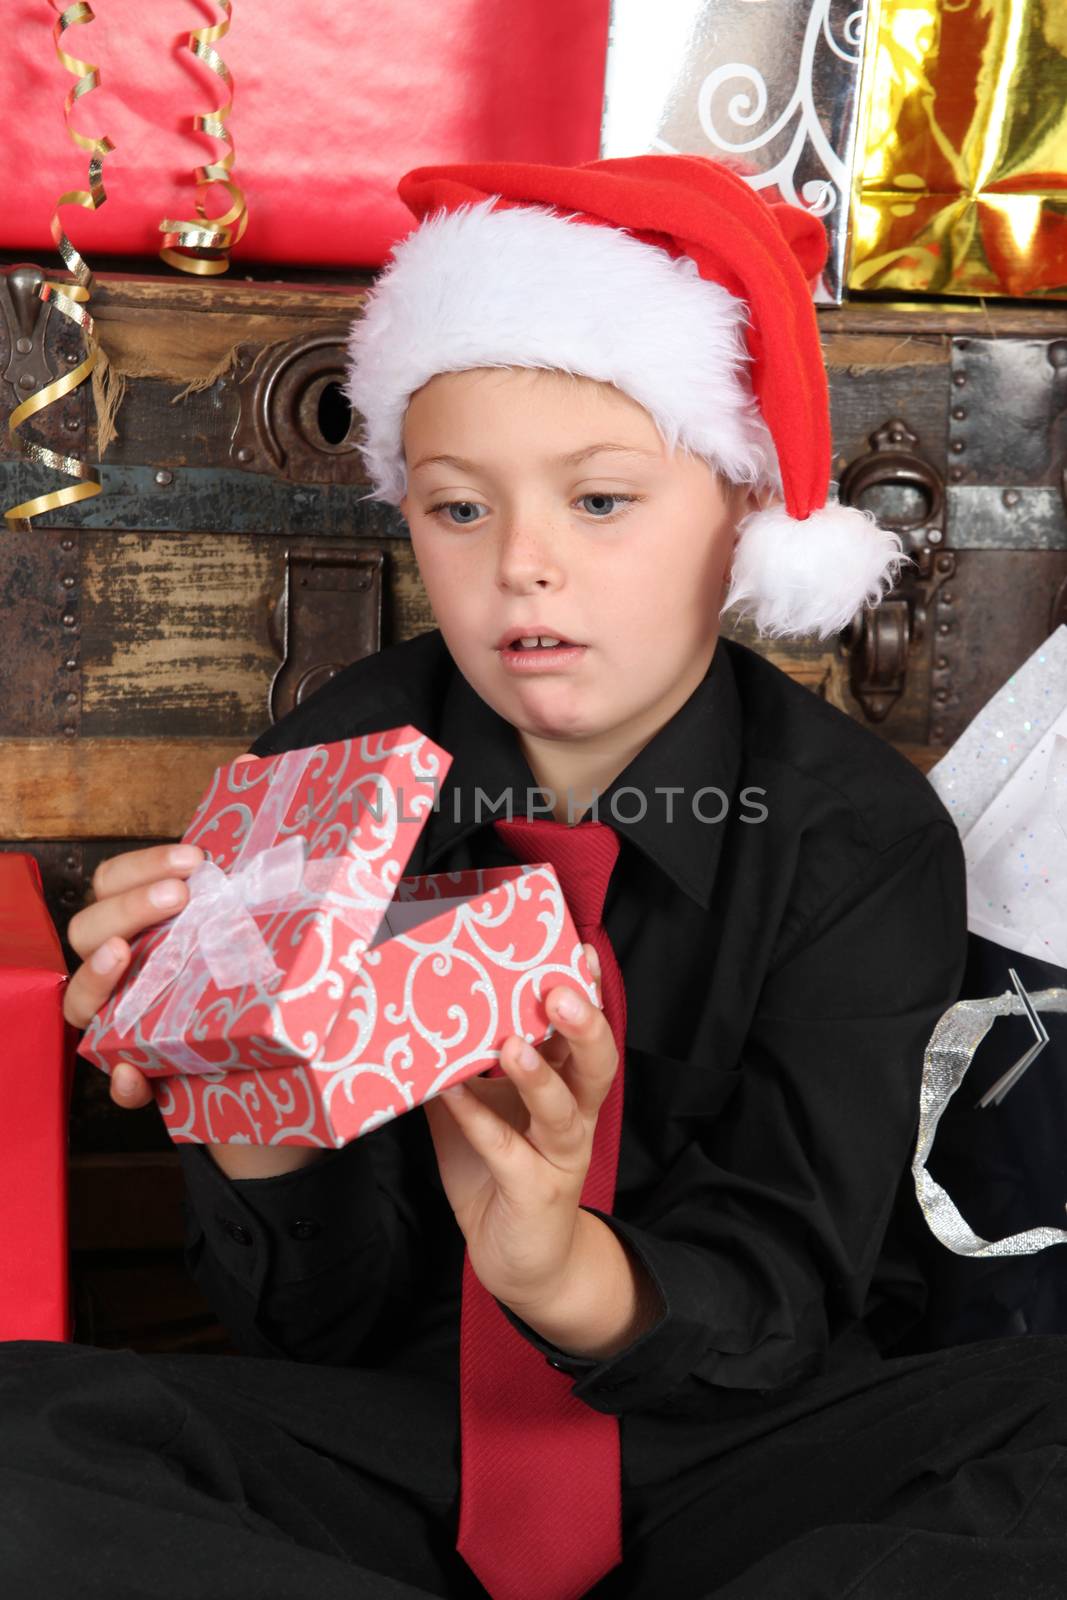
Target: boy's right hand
column 131, row 892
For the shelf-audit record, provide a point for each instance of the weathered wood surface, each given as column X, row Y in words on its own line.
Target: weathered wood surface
column 106, row 788
column 176, row 630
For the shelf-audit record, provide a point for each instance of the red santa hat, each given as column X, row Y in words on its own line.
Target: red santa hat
column 670, row 277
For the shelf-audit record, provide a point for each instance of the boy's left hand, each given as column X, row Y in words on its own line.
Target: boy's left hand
column 513, row 1154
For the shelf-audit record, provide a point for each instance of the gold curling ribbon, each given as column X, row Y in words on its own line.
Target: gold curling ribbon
column 201, row 246
column 68, row 299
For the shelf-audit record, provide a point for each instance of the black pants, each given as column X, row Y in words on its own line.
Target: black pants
column 127, row 1476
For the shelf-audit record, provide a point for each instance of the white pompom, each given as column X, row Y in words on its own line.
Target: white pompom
column 811, row 576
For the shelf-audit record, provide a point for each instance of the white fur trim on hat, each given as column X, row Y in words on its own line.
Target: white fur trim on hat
column 812, row 576
column 525, row 287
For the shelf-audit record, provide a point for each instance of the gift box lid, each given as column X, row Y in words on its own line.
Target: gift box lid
column 304, row 853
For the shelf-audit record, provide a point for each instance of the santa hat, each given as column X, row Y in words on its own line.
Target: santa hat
column 670, row 277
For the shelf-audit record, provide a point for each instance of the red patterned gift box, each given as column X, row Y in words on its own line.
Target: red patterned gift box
column 308, row 992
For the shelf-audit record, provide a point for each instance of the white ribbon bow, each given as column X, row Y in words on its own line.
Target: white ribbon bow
column 217, row 922
column 215, row 938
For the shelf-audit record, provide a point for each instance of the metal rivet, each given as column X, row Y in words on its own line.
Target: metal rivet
column 68, row 582
column 939, row 733
column 66, row 544
column 72, row 861
column 944, row 627
column 945, row 564
column 23, row 346
column 244, row 454
column 946, row 597
column 934, row 536
column 69, row 619
column 73, row 358
column 73, row 424
column 959, row 379
column 955, row 474
column 1010, row 497
column 163, row 477
column 70, row 664
column 941, row 694
column 72, row 697
column 942, row 662
column 957, row 446
column 959, row 412
column 69, row 731
column 27, row 381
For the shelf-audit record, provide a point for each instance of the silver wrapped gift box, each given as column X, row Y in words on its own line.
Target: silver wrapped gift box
column 771, row 83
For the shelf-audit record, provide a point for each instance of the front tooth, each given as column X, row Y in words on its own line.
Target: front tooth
column 546, row 640
column 528, row 644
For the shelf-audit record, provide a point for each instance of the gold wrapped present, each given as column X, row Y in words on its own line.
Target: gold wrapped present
column 961, row 185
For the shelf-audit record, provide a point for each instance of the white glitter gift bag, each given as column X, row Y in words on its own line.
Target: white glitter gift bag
column 1004, row 783
column 993, row 1188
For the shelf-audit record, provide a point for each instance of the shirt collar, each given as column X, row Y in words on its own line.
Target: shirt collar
column 699, row 749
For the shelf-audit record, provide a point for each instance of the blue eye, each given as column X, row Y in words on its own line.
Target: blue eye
column 448, row 506
column 452, row 505
column 621, row 498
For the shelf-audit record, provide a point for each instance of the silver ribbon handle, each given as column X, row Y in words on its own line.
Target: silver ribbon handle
column 949, row 1053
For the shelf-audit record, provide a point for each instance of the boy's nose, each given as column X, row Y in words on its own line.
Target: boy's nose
column 526, row 557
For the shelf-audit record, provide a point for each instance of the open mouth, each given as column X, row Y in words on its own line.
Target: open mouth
column 541, row 642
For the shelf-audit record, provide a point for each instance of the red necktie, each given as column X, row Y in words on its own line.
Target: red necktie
column 541, row 1502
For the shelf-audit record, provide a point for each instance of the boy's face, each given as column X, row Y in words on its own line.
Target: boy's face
column 625, row 553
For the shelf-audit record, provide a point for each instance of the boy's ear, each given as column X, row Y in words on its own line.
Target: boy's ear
column 754, row 499
column 746, row 499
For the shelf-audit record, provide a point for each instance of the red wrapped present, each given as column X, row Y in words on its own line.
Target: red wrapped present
column 308, row 992
column 331, row 105
column 36, row 1075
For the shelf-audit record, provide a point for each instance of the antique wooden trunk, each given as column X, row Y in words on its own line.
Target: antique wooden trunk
column 231, row 566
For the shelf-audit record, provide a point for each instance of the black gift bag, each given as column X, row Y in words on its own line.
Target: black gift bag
column 1005, row 1167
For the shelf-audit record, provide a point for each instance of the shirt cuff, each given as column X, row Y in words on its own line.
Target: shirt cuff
column 294, row 1225
column 659, row 1358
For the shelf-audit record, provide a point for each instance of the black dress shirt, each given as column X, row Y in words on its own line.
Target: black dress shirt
column 784, row 968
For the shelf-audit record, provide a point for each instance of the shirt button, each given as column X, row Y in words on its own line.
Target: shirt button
column 304, row 1228
column 238, row 1233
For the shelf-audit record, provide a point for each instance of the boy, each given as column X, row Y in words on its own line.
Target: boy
column 786, row 908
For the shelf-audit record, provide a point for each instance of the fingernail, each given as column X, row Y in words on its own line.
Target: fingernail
column 165, row 894
column 184, row 855
column 570, row 1008
column 123, row 1080
column 528, row 1057
column 593, row 960
column 105, row 959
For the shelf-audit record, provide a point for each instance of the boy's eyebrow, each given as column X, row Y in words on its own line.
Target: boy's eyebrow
column 572, row 460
